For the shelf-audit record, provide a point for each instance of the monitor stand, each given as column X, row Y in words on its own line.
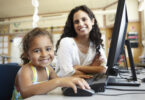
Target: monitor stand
column 115, row 81
column 124, row 69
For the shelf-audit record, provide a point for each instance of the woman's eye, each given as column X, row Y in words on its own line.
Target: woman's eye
column 84, row 19
column 76, row 22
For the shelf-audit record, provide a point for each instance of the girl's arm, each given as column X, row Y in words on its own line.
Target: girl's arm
column 52, row 73
column 28, row 89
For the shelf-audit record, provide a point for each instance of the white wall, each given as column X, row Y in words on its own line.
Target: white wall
column 26, row 23
column 132, row 8
column 132, row 11
column 15, row 50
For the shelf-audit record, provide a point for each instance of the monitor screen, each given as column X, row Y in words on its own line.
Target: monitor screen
column 118, row 36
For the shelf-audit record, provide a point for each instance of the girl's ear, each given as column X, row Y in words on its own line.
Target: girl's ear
column 26, row 56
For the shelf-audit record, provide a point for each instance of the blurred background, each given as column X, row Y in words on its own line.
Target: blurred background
column 16, row 18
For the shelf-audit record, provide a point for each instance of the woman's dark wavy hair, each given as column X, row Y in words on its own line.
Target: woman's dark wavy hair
column 28, row 38
column 69, row 31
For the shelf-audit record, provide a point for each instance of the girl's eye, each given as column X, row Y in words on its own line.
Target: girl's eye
column 36, row 50
column 48, row 49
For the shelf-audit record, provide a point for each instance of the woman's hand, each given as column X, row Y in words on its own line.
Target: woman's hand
column 84, row 76
column 73, row 82
column 97, row 61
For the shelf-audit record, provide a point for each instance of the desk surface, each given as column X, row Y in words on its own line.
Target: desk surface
column 57, row 95
column 109, row 94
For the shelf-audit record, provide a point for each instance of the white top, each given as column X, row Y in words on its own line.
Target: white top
column 69, row 55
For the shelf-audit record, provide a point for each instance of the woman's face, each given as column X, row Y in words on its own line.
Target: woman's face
column 82, row 23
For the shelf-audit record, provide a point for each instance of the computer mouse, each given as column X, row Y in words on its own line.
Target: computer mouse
column 143, row 80
column 68, row 91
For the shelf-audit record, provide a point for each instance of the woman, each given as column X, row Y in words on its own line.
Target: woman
column 80, row 49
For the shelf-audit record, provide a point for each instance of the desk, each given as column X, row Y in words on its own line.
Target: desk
column 57, row 94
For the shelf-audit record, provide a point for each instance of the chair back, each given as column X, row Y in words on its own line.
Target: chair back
column 7, row 79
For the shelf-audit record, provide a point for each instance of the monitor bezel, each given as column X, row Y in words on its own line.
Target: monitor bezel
column 113, row 53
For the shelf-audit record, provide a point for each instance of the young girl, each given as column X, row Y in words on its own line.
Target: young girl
column 80, row 49
column 36, row 75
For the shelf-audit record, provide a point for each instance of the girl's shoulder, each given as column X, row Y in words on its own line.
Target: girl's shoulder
column 26, row 68
column 28, row 65
column 49, row 68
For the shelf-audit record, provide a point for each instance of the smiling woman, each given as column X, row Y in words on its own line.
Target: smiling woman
column 80, row 49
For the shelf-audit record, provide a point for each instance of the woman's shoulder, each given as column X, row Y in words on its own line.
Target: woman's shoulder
column 101, row 48
column 67, row 40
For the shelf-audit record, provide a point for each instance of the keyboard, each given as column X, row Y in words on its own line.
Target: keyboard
column 97, row 82
column 114, row 81
column 95, row 78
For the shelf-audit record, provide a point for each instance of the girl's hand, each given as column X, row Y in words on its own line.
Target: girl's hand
column 73, row 82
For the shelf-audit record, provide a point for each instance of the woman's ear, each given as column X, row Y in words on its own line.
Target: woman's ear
column 93, row 21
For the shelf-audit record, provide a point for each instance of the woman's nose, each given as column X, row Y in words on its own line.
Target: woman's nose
column 81, row 23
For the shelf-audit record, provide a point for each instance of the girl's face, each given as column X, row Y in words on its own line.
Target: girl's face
column 82, row 23
column 41, row 51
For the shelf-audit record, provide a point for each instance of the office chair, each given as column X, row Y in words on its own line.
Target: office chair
column 7, row 79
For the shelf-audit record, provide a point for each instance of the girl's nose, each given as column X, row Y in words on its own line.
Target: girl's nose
column 44, row 53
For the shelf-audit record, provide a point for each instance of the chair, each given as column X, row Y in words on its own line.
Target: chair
column 7, row 79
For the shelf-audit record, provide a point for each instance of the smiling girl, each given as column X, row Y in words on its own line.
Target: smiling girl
column 36, row 76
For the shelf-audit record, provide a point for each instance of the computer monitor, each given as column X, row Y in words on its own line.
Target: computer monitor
column 117, row 45
column 118, row 37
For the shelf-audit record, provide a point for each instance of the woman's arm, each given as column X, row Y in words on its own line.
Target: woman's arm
column 65, row 57
column 91, row 69
column 98, row 65
column 81, row 74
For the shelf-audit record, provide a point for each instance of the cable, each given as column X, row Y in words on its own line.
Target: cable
column 127, row 78
column 121, row 94
column 126, row 89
